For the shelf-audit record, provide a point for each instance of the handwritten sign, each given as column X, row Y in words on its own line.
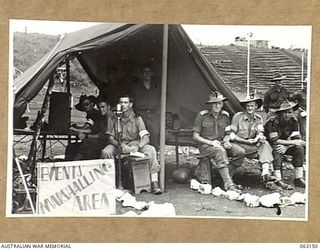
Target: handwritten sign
column 76, row 188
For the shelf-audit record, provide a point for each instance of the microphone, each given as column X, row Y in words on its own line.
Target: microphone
column 118, row 110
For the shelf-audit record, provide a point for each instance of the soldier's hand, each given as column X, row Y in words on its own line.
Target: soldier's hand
column 215, row 143
column 252, row 141
column 227, row 145
column 133, row 149
column 125, row 148
column 281, row 149
column 262, row 138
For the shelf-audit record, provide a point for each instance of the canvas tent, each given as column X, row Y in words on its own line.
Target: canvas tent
column 190, row 77
column 179, row 67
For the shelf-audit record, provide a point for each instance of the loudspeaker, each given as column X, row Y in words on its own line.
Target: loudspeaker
column 59, row 113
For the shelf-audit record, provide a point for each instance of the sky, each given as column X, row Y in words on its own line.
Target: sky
column 279, row 36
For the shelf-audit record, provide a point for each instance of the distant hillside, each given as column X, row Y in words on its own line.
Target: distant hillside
column 230, row 62
column 28, row 48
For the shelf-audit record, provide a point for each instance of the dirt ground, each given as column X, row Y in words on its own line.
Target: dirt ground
column 188, row 202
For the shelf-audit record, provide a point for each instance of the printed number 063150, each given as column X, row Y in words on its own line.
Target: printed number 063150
column 309, row 245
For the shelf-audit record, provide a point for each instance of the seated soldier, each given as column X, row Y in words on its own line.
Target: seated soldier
column 95, row 138
column 86, row 104
column 247, row 135
column 209, row 131
column 134, row 137
column 282, row 132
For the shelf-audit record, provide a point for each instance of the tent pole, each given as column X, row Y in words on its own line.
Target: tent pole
column 163, row 104
column 68, row 75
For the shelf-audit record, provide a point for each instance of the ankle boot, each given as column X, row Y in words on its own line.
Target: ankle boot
column 299, row 182
column 155, row 188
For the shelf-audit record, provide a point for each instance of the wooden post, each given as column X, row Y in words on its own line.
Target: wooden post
column 25, row 185
column 68, row 75
column 163, row 104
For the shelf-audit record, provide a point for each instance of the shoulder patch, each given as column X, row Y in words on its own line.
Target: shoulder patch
column 239, row 113
column 225, row 113
column 259, row 116
column 204, row 112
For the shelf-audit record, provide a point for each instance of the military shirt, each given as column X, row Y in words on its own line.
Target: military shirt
column 245, row 127
column 131, row 127
column 274, row 97
column 146, row 98
column 276, row 130
column 100, row 127
column 93, row 116
column 210, row 127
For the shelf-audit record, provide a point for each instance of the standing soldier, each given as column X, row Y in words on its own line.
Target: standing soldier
column 282, row 132
column 146, row 94
column 209, row 131
column 275, row 95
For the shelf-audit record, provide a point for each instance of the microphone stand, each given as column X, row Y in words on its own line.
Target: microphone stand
column 119, row 131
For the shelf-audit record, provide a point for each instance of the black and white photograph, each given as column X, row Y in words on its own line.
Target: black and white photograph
column 158, row 120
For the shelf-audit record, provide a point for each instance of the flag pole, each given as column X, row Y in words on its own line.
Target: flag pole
column 248, row 65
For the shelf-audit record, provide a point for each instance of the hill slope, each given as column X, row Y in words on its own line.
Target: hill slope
column 230, row 62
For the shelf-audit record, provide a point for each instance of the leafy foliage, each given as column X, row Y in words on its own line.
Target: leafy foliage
column 29, row 48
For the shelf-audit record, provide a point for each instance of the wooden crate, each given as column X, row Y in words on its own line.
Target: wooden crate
column 139, row 172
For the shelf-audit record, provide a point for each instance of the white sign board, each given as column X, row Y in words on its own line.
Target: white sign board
column 76, row 188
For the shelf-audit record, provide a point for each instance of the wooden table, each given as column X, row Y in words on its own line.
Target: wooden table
column 45, row 136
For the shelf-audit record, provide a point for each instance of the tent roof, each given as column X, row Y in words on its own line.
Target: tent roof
column 73, row 40
column 190, row 75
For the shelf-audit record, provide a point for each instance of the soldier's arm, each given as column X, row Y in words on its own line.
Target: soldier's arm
column 274, row 137
column 260, row 130
column 144, row 141
column 111, row 131
column 198, row 138
column 234, row 128
column 143, row 133
column 197, row 131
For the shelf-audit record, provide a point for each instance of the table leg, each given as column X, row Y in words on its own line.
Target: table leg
column 177, row 151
